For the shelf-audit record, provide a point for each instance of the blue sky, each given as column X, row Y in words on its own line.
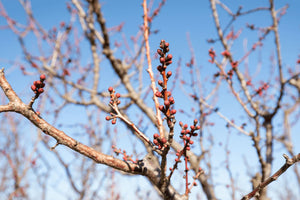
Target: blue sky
column 175, row 22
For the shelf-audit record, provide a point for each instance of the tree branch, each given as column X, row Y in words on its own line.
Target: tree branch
column 288, row 162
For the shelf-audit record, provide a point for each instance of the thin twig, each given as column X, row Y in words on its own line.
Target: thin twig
column 288, row 162
column 150, row 71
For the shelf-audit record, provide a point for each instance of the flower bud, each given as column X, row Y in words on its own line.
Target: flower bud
column 110, row 89
column 169, row 57
column 40, row 90
column 158, row 94
column 167, row 103
column 161, row 107
column 33, row 87
column 159, row 51
column 160, row 82
column 173, row 112
column 43, row 77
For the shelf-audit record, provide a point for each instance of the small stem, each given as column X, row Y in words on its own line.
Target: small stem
column 186, row 172
column 32, row 100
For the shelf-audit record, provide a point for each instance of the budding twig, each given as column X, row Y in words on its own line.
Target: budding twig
column 288, row 162
column 37, row 88
column 113, row 116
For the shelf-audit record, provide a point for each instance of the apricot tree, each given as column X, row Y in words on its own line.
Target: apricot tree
column 166, row 122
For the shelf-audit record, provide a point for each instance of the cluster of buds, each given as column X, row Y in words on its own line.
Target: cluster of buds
column 212, row 55
column 230, row 74
column 114, row 98
column 186, row 133
column 167, row 103
column 249, row 83
column 200, row 171
column 38, row 86
column 125, row 156
column 159, row 142
column 262, row 88
column 114, row 101
column 234, row 64
column 165, row 60
column 226, row 54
